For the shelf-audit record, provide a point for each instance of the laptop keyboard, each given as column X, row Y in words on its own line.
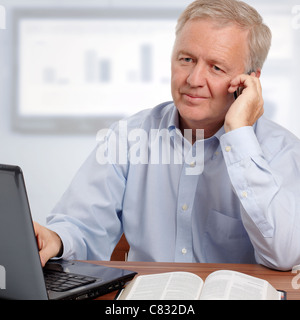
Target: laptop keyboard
column 63, row 281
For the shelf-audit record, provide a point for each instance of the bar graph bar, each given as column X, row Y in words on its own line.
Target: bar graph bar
column 146, row 62
column 49, row 75
column 90, row 62
column 104, row 70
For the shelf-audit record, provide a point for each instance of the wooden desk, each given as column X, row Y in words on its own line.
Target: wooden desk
column 280, row 280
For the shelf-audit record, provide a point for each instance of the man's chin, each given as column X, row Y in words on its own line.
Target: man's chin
column 193, row 112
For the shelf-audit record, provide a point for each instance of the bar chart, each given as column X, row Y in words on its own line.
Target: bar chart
column 99, row 69
column 94, row 67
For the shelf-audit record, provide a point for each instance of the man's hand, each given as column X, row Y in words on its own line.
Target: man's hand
column 248, row 107
column 49, row 243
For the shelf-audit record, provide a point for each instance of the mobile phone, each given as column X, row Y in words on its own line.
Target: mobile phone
column 237, row 92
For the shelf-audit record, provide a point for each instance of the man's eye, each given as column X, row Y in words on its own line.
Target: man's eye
column 186, row 60
column 216, row 68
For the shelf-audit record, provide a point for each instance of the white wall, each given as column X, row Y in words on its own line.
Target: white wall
column 49, row 161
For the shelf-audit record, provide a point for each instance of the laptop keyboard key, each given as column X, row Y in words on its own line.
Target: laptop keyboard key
column 62, row 281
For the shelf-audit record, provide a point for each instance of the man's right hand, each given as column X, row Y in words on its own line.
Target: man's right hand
column 49, row 243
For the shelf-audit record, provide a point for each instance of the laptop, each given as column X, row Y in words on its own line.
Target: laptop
column 19, row 257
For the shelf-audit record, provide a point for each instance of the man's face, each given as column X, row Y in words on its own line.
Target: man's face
column 205, row 59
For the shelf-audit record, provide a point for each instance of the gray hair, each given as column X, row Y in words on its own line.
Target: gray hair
column 226, row 12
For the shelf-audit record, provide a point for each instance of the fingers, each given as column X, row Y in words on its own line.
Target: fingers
column 243, row 80
column 250, row 90
column 248, row 106
column 49, row 243
column 45, row 255
column 37, row 231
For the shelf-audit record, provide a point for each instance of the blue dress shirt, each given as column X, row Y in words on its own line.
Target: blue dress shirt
column 235, row 199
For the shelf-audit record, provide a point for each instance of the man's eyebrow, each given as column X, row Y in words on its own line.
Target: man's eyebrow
column 186, row 53
column 222, row 63
column 211, row 60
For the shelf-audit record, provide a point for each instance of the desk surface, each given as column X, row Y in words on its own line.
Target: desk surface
column 279, row 280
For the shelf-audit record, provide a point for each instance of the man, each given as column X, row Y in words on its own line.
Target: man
column 235, row 202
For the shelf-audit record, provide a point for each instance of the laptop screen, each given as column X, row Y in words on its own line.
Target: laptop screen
column 23, row 276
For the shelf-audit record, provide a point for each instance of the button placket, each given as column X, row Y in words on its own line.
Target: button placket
column 186, row 194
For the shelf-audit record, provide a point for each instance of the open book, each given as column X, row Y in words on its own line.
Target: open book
column 219, row 285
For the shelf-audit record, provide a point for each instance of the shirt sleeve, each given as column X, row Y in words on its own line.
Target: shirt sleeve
column 88, row 218
column 266, row 182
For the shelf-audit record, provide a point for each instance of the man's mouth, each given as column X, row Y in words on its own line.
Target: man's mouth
column 193, row 98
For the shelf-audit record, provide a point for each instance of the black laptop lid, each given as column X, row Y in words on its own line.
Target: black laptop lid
column 18, row 248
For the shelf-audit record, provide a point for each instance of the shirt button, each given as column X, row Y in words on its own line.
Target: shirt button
column 185, row 207
column 184, row 251
column 244, row 194
column 193, row 164
column 227, row 148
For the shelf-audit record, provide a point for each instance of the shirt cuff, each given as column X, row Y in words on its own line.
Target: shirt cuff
column 239, row 144
column 66, row 242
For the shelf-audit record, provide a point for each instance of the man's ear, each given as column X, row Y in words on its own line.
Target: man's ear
column 258, row 73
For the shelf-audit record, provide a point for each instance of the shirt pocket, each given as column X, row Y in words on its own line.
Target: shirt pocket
column 226, row 240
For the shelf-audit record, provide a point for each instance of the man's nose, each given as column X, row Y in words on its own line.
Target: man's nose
column 197, row 76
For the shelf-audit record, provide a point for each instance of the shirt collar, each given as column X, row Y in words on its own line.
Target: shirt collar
column 173, row 119
column 219, row 133
column 174, row 124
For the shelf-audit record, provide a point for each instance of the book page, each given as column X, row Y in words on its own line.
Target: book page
column 231, row 285
column 164, row 286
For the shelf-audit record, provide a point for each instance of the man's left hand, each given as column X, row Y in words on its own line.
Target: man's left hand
column 248, row 106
